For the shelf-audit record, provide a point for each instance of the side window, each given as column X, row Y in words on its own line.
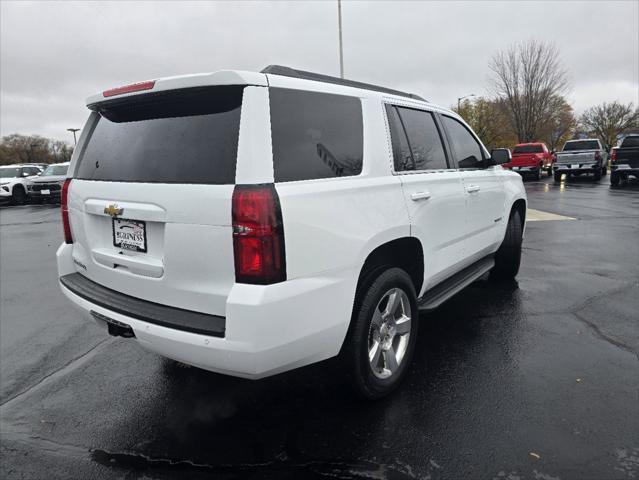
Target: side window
column 402, row 156
column 315, row 135
column 424, row 139
column 466, row 149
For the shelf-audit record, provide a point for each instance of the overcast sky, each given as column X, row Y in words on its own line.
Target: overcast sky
column 55, row 54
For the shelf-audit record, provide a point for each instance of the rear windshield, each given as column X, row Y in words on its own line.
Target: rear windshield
column 55, row 170
column 581, row 145
column 528, row 149
column 630, row 142
column 315, row 135
column 187, row 136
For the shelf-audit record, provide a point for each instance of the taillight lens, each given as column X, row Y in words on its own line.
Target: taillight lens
column 64, row 207
column 597, row 156
column 613, row 157
column 135, row 87
column 258, row 235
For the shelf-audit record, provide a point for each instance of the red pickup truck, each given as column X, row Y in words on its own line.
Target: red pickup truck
column 531, row 159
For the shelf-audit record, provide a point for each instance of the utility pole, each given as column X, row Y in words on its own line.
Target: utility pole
column 341, row 47
column 73, row 130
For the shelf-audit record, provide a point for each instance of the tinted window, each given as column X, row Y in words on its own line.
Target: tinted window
column 402, row 156
column 466, row 149
column 581, row 145
column 187, row 136
column 423, row 138
column 528, row 149
column 630, row 142
column 315, row 135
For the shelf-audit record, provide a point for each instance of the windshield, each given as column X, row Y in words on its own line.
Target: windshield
column 9, row 172
column 528, row 149
column 581, row 145
column 58, row 170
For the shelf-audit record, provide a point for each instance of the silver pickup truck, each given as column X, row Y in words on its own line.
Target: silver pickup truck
column 579, row 157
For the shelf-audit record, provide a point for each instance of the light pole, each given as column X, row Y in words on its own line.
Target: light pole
column 341, row 48
column 459, row 99
column 73, row 130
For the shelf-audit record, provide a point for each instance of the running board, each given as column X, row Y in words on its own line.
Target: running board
column 443, row 291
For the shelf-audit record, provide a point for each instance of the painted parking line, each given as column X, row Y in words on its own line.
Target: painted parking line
column 538, row 216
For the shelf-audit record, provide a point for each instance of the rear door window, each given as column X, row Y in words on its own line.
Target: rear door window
column 184, row 136
column 315, row 135
column 424, row 139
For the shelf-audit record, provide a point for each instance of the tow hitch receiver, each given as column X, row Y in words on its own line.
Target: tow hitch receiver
column 116, row 328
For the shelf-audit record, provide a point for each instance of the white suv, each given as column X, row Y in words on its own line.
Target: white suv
column 251, row 223
column 14, row 180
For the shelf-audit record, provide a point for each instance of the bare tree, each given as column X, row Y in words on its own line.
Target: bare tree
column 527, row 76
column 17, row 148
column 608, row 120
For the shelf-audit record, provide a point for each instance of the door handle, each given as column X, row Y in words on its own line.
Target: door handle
column 473, row 188
column 420, row 196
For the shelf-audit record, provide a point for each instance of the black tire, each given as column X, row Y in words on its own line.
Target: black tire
column 355, row 353
column 18, row 195
column 615, row 180
column 597, row 175
column 604, row 171
column 508, row 257
column 557, row 176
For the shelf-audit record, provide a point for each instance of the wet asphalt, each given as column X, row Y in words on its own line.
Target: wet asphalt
column 536, row 379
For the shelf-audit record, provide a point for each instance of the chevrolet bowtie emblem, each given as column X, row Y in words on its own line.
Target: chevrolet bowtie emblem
column 113, row 210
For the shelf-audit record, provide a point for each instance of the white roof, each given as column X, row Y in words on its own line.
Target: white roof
column 239, row 77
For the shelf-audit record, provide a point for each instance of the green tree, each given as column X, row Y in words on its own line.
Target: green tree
column 489, row 119
column 560, row 125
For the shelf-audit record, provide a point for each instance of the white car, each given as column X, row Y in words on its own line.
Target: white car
column 14, row 180
column 251, row 223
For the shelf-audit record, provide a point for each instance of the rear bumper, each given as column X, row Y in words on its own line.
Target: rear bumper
column 567, row 168
column 267, row 329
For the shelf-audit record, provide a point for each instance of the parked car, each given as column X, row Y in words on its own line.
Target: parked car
column 580, row 157
column 14, row 180
column 48, row 185
column 531, row 159
column 252, row 223
column 625, row 160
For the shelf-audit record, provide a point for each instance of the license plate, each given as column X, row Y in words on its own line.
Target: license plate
column 45, row 192
column 574, row 166
column 129, row 234
column 515, row 168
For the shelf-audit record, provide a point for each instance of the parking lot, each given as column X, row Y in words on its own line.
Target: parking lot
column 533, row 380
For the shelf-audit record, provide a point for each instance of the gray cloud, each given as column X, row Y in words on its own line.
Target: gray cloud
column 54, row 54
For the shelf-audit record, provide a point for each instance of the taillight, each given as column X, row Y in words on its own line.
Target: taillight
column 613, row 156
column 597, row 156
column 64, row 207
column 258, row 235
column 135, row 87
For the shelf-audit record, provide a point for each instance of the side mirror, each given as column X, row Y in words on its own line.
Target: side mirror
column 499, row 156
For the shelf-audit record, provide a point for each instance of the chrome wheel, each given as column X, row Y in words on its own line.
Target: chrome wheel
column 389, row 333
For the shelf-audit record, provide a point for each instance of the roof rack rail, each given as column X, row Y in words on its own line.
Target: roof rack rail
column 318, row 77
